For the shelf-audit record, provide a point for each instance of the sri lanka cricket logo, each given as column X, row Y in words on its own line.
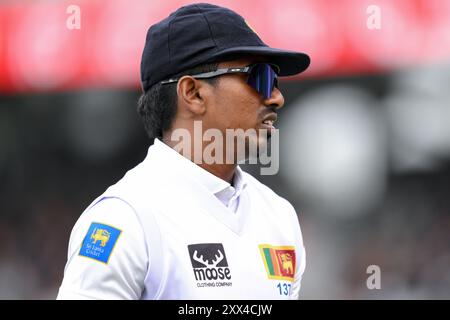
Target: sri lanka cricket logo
column 101, row 235
column 278, row 261
column 99, row 242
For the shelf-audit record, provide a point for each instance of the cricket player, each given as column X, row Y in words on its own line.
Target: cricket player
column 187, row 222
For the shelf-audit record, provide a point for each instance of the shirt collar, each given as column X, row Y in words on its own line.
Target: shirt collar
column 213, row 183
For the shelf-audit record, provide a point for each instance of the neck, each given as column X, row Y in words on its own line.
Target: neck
column 223, row 171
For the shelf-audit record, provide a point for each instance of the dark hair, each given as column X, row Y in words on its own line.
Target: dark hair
column 158, row 106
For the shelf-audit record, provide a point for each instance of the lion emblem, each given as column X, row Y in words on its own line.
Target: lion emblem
column 286, row 263
column 101, row 235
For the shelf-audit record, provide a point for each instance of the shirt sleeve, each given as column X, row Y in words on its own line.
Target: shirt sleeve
column 107, row 255
column 300, row 253
column 300, row 268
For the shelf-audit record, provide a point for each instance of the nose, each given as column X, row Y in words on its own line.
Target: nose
column 276, row 100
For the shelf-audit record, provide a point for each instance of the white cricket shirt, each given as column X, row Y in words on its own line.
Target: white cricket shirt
column 171, row 230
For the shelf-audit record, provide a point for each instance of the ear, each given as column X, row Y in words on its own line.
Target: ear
column 192, row 94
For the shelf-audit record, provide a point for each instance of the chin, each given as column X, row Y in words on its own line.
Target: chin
column 251, row 144
column 254, row 147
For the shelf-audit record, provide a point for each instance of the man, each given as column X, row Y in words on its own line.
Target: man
column 179, row 226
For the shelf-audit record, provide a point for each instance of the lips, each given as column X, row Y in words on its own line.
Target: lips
column 269, row 120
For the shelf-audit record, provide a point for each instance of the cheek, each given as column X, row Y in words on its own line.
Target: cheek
column 247, row 109
column 238, row 108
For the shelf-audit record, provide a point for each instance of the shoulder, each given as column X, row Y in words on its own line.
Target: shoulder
column 278, row 206
column 145, row 186
column 110, row 224
column 269, row 195
column 106, row 243
column 110, row 211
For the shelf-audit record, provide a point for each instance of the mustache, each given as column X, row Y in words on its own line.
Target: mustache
column 267, row 111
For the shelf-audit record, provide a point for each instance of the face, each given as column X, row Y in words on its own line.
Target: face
column 236, row 105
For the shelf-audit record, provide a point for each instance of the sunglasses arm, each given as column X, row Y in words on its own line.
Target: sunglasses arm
column 212, row 74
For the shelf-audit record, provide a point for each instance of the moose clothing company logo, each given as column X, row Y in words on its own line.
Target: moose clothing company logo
column 279, row 261
column 99, row 242
column 210, row 265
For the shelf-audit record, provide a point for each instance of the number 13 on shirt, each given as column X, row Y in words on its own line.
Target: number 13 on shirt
column 284, row 288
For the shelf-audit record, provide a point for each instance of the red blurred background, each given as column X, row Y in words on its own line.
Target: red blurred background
column 38, row 52
column 364, row 148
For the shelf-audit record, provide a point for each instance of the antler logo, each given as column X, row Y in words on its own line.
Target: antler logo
column 214, row 263
column 209, row 261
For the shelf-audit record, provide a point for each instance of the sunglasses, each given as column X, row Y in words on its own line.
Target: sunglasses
column 263, row 77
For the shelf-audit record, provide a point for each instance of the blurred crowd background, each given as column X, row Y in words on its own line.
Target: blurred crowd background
column 364, row 146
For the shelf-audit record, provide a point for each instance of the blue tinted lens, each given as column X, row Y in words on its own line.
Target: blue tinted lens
column 263, row 78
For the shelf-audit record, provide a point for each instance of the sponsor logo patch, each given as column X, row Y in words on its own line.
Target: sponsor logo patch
column 210, row 265
column 279, row 261
column 99, row 242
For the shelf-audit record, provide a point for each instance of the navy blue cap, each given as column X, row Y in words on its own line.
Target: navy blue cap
column 203, row 33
